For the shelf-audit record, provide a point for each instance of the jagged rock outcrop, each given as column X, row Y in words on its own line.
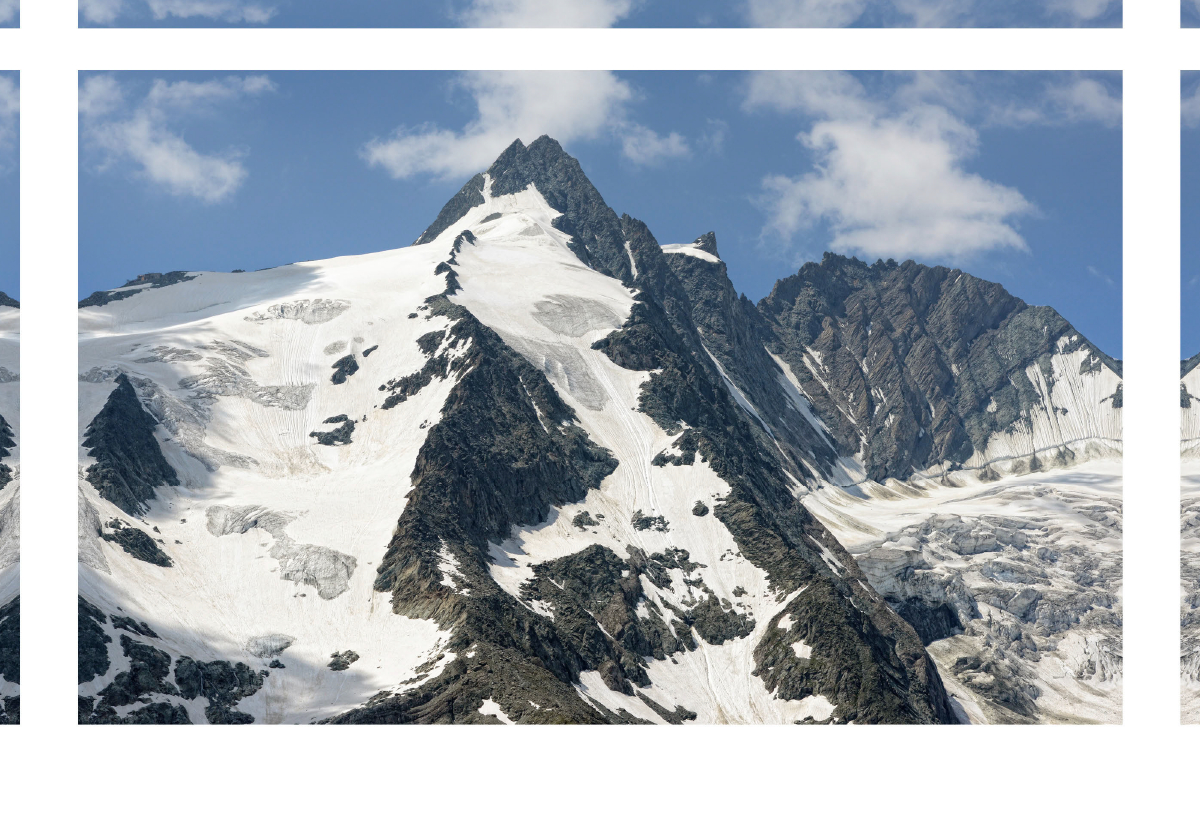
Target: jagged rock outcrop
column 916, row 367
column 129, row 463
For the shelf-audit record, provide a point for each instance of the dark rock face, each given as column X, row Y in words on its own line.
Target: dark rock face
column 918, row 365
column 343, row 369
column 470, row 196
column 7, row 301
column 342, row 435
column 93, row 642
column 7, row 441
column 135, row 542
column 931, row 622
column 129, row 463
column 151, row 280
column 340, row 661
column 221, row 683
column 10, row 640
column 738, row 336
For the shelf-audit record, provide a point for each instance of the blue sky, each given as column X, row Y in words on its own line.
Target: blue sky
column 1190, row 216
column 1191, row 12
column 10, row 189
column 674, row 13
column 1014, row 177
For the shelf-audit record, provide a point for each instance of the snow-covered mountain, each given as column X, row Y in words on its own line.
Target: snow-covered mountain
column 538, row 467
column 10, row 511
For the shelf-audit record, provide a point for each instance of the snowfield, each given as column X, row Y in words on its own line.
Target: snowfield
column 237, row 386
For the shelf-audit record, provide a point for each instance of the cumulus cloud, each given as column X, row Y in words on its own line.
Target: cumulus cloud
column 228, row 11
column 888, row 179
column 539, row 13
column 569, row 106
column 141, row 133
column 8, row 10
column 10, row 106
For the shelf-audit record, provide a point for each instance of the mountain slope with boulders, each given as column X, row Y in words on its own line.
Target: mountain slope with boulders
column 535, row 468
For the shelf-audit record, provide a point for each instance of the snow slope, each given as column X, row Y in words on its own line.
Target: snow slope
column 1075, row 418
column 237, row 369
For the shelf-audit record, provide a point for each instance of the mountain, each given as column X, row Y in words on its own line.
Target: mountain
column 539, row 468
column 10, row 511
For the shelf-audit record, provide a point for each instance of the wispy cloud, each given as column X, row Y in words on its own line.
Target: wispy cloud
column 142, row 133
column 228, row 11
column 542, row 13
column 570, row 106
column 889, row 172
column 1101, row 276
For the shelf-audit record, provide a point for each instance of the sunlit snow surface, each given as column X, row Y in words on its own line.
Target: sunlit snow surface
column 10, row 501
column 1032, row 563
column 246, row 443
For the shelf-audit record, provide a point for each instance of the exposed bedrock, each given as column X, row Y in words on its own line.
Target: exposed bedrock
column 129, row 463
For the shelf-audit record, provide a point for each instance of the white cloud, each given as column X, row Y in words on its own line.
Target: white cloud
column 645, row 147
column 10, row 106
column 9, row 9
column 829, row 13
column 569, row 106
column 541, row 13
column 888, row 178
column 142, row 133
column 228, row 11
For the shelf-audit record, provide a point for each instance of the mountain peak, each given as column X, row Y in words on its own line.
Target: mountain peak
column 595, row 230
column 707, row 242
